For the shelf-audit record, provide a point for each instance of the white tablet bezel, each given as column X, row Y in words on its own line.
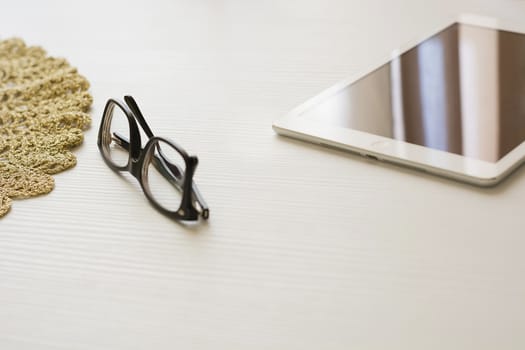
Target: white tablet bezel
column 451, row 165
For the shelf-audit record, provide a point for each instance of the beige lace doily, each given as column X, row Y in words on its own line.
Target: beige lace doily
column 43, row 110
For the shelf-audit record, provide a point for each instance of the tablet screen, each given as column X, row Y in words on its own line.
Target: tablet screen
column 460, row 91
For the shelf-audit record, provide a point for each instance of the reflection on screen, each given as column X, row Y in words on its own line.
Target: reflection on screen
column 461, row 91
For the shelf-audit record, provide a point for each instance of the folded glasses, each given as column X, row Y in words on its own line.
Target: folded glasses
column 163, row 168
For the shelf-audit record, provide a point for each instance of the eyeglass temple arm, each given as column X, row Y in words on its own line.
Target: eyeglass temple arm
column 130, row 101
column 169, row 174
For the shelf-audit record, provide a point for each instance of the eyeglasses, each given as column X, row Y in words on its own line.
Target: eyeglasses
column 163, row 168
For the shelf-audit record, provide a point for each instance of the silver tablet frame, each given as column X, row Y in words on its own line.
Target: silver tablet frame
column 441, row 163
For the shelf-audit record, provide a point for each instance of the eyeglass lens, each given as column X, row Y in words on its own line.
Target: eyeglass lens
column 118, row 124
column 164, row 176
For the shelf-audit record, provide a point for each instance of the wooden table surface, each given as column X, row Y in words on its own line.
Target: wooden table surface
column 306, row 247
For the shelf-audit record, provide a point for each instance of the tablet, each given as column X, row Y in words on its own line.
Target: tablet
column 453, row 105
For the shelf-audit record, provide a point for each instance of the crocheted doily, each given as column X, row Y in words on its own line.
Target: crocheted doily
column 43, row 110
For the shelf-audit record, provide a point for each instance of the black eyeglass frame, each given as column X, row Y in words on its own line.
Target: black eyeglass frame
column 139, row 158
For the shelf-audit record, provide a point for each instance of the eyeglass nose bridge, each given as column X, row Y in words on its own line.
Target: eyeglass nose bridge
column 135, row 167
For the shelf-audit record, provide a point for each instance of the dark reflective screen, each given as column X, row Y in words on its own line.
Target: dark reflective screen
column 460, row 91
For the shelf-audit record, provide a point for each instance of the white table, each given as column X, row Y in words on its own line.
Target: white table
column 306, row 248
